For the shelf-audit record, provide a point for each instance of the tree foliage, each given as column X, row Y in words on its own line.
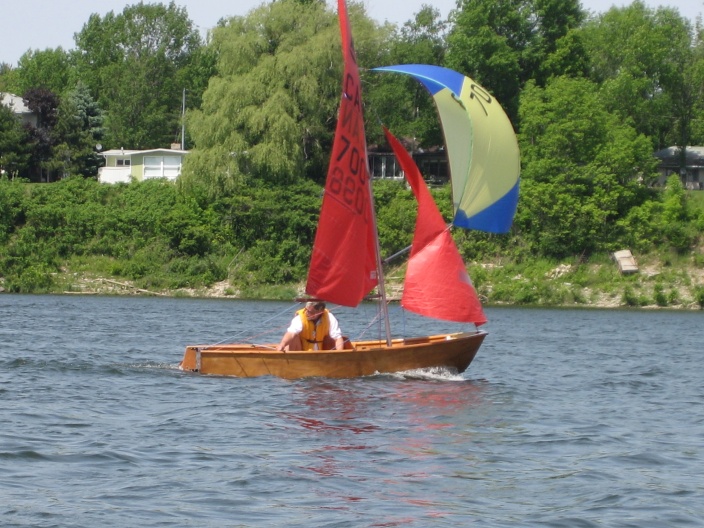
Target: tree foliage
column 78, row 132
column 645, row 60
column 44, row 104
column 14, row 149
column 398, row 101
column 270, row 111
column 135, row 63
column 263, row 112
column 50, row 70
column 583, row 169
column 8, row 79
column 504, row 44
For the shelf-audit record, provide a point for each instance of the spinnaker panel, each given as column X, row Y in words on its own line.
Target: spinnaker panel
column 481, row 146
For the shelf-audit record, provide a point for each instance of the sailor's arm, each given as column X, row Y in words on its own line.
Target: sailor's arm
column 285, row 341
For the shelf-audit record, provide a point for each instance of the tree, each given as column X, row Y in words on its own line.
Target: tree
column 503, row 44
column 645, row 60
column 78, row 131
column 8, row 79
column 133, row 63
column 44, row 103
column 583, row 169
column 50, row 69
column 697, row 80
column 14, row 152
column 555, row 50
column 269, row 113
column 402, row 103
column 486, row 43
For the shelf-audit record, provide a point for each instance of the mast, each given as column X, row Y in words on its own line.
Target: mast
column 384, row 307
column 183, row 121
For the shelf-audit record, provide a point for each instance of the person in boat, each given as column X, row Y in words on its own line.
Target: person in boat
column 312, row 328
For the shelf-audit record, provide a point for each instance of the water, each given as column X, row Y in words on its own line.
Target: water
column 565, row 418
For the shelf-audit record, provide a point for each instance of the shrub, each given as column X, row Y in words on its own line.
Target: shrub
column 659, row 294
column 699, row 296
column 35, row 278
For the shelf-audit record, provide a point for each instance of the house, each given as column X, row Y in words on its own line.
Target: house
column 16, row 104
column 692, row 174
column 432, row 162
column 123, row 165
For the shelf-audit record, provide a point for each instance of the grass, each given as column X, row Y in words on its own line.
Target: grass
column 696, row 199
column 663, row 281
column 667, row 280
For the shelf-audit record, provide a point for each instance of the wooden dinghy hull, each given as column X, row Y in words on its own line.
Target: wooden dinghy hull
column 360, row 358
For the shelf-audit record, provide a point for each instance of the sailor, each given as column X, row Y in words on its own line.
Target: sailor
column 312, row 328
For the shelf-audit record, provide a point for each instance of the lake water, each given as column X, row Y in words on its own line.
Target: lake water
column 572, row 418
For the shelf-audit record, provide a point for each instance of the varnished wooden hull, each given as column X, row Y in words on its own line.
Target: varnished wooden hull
column 363, row 358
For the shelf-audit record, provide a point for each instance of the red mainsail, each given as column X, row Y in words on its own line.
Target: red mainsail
column 437, row 284
column 343, row 263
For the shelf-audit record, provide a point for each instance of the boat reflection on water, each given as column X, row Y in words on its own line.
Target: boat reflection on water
column 338, row 415
column 398, row 425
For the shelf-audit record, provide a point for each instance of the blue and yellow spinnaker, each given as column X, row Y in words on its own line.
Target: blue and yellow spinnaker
column 482, row 149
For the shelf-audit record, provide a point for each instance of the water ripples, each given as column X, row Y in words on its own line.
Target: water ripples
column 566, row 418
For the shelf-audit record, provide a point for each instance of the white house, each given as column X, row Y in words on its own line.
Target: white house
column 123, row 165
column 16, row 104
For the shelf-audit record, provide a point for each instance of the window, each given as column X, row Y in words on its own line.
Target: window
column 123, row 163
column 162, row 167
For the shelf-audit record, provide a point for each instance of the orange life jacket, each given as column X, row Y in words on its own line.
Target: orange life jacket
column 314, row 332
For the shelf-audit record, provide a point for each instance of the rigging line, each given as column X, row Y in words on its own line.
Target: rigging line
column 270, row 331
column 397, row 254
column 407, row 248
column 236, row 336
column 374, row 321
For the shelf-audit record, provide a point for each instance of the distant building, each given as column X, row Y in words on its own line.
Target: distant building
column 124, row 166
column 691, row 175
column 431, row 162
column 17, row 105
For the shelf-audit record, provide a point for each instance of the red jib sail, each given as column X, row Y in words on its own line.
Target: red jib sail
column 343, row 263
column 437, row 284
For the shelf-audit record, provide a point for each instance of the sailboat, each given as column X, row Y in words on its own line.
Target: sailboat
column 346, row 264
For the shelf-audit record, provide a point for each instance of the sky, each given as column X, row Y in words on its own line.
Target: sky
column 42, row 24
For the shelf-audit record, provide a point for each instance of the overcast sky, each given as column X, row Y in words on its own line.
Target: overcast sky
column 42, row 24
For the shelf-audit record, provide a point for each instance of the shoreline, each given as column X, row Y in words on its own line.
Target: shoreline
column 223, row 290
column 656, row 286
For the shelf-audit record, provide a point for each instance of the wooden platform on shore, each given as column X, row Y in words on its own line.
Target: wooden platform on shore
column 626, row 261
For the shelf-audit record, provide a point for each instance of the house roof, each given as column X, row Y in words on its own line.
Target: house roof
column 15, row 102
column 693, row 155
column 126, row 152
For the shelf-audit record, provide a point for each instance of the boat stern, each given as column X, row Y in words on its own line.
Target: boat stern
column 191, row 359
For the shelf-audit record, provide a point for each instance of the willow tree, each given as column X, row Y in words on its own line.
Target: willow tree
column 269, row 113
